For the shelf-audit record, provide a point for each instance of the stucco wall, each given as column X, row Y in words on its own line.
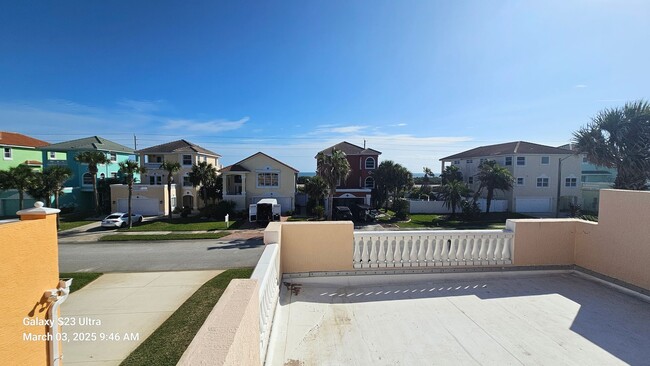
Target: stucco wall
column 543, row 241
column 231, row 333
column 142, row 191
column 313, row 247
column 29, row 268
column 287, row 179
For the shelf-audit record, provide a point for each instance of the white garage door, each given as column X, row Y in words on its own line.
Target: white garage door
column 142, row 206
column 533, row 204
column 285, row 202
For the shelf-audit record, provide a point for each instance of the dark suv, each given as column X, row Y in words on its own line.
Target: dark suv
column 342, row 213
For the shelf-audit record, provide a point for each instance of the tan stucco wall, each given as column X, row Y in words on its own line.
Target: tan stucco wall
column 619, row 246
column 29, row 267
column 313, row 247
column 231, row 333
column 543, row 241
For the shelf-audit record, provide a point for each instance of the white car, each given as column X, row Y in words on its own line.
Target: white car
column 120, row 219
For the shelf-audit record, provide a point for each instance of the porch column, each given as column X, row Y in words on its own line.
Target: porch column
column 243, row 184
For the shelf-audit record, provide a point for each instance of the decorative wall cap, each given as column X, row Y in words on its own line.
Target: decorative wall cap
column 38, row 209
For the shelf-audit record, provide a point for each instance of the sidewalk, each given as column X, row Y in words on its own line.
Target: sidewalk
column 120, row 310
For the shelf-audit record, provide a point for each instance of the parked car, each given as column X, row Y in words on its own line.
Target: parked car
column 342, row 213
column 120, row 219
column 364, row 213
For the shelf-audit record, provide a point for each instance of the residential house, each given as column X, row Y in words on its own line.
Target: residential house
column 260, row 176
column 358, row 186
column 535, row 169
column 186, row 154
column 78, row 189
column 18, row 149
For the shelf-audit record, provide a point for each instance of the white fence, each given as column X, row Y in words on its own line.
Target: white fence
column 267, row 273
column 380, row 249
column 438, row 207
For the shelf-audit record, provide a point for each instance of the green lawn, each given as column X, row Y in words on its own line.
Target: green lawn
column 183, row 224
column 167, row 344
column 173, row 236
column 80, row 279
column 434, row 221
column 66, row 225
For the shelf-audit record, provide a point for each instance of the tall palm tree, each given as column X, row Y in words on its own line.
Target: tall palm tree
column 129, row 168
column 93, row 158
column 19, row 178
column 49, row 183
column 493, row 176
column 620, row 138
column 171, row 168
column 316, row 189
column 333, row 168
column 203, row 174
column 453, row 193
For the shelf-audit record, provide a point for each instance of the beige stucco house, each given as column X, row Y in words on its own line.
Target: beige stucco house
column 260, row 176
column 145, row 200
column 535, row 169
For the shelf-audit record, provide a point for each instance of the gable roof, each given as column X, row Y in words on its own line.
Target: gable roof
column 90, row 143
column 509, row 148
column 237, row 167
column 350, row 149
column 178, row 146
column 20, row 140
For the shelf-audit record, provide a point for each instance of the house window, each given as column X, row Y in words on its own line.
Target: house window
column 87, row 178
column 7, row 153
column 508, row 160
column 114, row 175
column 584, row 159
column 482, row 160
column 186, row 181
column 370, row 183
column 470, row 180
column 370, row 163
column 187, row 159
column 155, row 180
column 113, row 156
column 545, row 160
column 152, row 180
column 571, row 182
column 456, row 162
column 542, row 182
column 468, row 161
column 102, row 176
column 520, row 181
column 521, row 160
column 52, row 155
column 174, row 202
column 268, row 180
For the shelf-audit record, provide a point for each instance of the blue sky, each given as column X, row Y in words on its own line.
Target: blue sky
column 418, row 80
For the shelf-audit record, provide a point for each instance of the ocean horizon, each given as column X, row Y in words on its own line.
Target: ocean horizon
column 311, row 174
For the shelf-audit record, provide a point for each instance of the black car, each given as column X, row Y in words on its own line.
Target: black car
column 342, row 213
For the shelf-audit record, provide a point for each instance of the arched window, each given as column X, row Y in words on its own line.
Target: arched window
column 370, row 183
column 102, row 176
column 370, row 163
column 87, row 178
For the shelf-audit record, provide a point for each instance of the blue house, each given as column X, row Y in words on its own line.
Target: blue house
column 78, row 191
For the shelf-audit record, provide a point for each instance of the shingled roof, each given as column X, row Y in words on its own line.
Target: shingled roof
column 20, row 140
column 178, row 146
column 350, row 149
column 508, row 148
column 89, row 144
column 237, row 167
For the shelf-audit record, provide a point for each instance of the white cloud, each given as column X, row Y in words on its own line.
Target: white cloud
column 337, row 129
column 580, row 86
column 400, row 124
column 213, row 126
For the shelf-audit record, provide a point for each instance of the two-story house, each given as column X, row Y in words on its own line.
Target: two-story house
column 79, row 189
column 538, row 171
column 358, row 186
column 18, row 149
column 257, row 177
column 186, row 154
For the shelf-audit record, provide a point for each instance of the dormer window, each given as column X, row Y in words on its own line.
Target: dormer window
column 370, row 163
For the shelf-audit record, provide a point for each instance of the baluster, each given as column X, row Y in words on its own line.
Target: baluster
column 365, row 255
column 505, row 254
column 490, row 251
column 453, row 248
column 413, row 256
column 484, row 248
column 381, row 258
column 373, row 254
column 446, row 243
column 460, row 253
column 421, row 252
column 429, row 254
column 497, row 250
column 467, row 255
column 390, row 252
column 476, row 248
column 398, row 253
column 406, row 252
column 356, row 257
column 437, row 254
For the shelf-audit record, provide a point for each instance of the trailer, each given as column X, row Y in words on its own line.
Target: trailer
column 265, row 210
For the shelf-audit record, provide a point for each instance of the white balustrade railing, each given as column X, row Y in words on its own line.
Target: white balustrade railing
column 267, row 273
column 389, row 249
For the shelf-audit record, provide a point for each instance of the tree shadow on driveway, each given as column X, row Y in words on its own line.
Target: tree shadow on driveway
column 240, row 244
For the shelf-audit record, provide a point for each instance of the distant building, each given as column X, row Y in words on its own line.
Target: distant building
column 358, row 186
column 535, row 169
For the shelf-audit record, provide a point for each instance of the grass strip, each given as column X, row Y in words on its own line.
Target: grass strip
column 80, row 279
column 150, row 237
column 183, row 224
column 67, row 225
column 167, row 343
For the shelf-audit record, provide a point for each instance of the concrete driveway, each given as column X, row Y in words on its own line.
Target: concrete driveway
column 111, row 316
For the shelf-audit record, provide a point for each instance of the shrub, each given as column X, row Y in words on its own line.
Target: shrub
column 469, row 210
column 186, row 211
column 220, row 210
column 574, row 210
column 593, row 218
column 401, row 208
column 319, row 211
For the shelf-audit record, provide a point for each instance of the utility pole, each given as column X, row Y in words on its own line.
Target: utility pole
column 135, row 142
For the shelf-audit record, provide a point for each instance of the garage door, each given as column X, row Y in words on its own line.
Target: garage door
column 533, row 204
column 285, row 202
column 141, row 206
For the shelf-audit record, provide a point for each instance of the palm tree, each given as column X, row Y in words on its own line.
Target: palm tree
column 171, row 168
column 19, row 178
column 620, row 138
column 493, row 176
column 316, row 189
column 49, row 183
column 333, row 168
column 93, row 158
column 203, row 174
column 452, row 193
column 129, row 168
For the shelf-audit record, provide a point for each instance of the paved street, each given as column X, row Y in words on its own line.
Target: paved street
column 145, row 256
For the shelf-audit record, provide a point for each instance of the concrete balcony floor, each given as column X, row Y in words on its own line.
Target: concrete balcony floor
column 506, row 318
